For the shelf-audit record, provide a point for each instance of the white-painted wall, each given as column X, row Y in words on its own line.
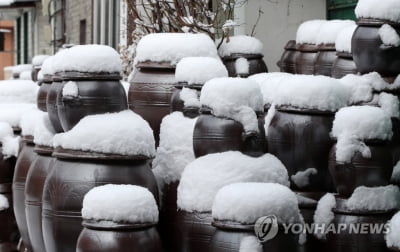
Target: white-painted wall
column 278, row 24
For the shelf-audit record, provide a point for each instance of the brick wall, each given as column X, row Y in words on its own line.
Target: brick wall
column 75, row 11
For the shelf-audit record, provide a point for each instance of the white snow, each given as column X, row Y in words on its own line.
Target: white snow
column 250, row 244
column 47, row 66
column 389, row 104
column 387, row 9
column 199, row 70
column 242, row 66
column 39, row 59
column 308, row 31
column 20, row 68
column 18, row 91
column 172, row 47
column 268, row 83
column 240, row 44
column 268, row 118
column 70, row 89
column 88, row 58
column 6, row 2
column 11, row 146
column 29, row 120
column 246, row 202
column 175, row 151
column 123, row 133
column 392, row 237
column 343, row 39
column 324, row 214
column 375, row 198
column 120, row 204
column 234, row 98
column 12, row 113
column 305, row 200
column 389, row 36
column 202, row 178
column 346, row 147
column 360, row 88
column 312, row 92
column 329, row 30
column 44, row 131
column 396, row 174
column 5, row 130
column 25, row 75
column 40, row 76
column 379, row 84
column 126, row 86
column 4, row 204
column 302, row 178
column 189, row 97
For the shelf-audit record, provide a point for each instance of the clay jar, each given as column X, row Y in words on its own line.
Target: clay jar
column 177, row 103
column 287, row 63
column 369, row 53
column 150, row 92
column 214, row 134
column 343, row 65
column 229, row 234
column 8, row 232
column 325, row 59
column 25, row 158
column 74, row 173
column 105, row 236
column 351, row 241
column 374, row 171
column 51, row 102
column 34, row 73
column 307, row 56
column 33, row 195
column 42, row 93
column 300, row 139
column 98, row 93
column 255, row 61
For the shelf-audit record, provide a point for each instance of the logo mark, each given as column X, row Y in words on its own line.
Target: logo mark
column 266, row 228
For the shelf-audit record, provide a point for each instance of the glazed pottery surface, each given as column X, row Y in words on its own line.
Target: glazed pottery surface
column 51, row 103
column 343, row 65
column 255, row 61
column 42, row 96
column 305, row 60
column 325, row 59
column 287, row 62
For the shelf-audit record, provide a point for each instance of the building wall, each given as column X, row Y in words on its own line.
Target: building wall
column 278, row 24
column 42, row 30
column 75, row 11
column 7, row 56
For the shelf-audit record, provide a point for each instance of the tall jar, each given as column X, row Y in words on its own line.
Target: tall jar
column 325, row 59
column 305, row 61
column 287, row 63
column 51, row 102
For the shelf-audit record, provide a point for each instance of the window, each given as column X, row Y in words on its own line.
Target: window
column 106, row 22
column 2, row 37
column 57, row 23
column 82, row 32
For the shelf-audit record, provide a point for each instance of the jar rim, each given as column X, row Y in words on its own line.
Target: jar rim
column 64, row 153
column 111, row 225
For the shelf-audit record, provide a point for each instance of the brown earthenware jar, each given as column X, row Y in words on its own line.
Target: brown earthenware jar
column 34, row 73
column 256, row 64
column 42, row 93
column 300, row 139
column 33, row 195
column 374, row 171
column 287, row 63
column 325, row 59
column 7, row 166
column 9, row 231
column 177, row 103
column 98, row 93
column 51, row 102
column 168, row 214
column 229, row 234
column 306, row 58
column 106, row 236
column 350, row 241
column 369, row 53
column 74, row 173
column 25, row 158
column 343, row 65
column 214, row 134
column 150, row 92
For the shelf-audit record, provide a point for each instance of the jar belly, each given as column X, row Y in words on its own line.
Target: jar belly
column 305, row 62
column 51, row 105
column 324, row 63
column 342, row 67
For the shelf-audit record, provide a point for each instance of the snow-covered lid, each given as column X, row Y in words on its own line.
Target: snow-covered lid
column 5, row 130
column 44, row 131
column 172, row 47
column 343, row 39
column 199, row 70
column 11, row 146
column 176, row 147
column 11, row 113
column 40, row 76
column 324, row 213
column 240, row 44
column 389, row 36
column 392, row 237
column 380, row 84
column 47, row 66
column 18, row 91
column 39, row 59
column 120, row 204
column 123, row 133
column 311, row 92
column 4, row 204
column 20, row 68
column 29, row 121
column 234, row 98
column 386, row 10
column 308, row 31
column 381, row 198
column 268, row 83
column 360, row 88
column 25, row 75
column 246, row 202
column 88, row 59
column 202, row 178
column 329, row 31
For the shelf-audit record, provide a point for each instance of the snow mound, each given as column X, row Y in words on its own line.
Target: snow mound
column 387, row 9
column 389, row 104
column 324, row 214
column 70, row 89
column 234, row 98
column 47, row 66
column 12, row 113
column 246, row 202
column 379, row 84
column 268, row 83
column 39, row 59
column 20, row 68
column 44, row 131
column 343, row 39
column 240, row 44
column 331, row 29
column 10, row 146
column 172, row 47
column 123, row 133
column 302, row 178
column 392, row 237
column 242, row 66
column 308, row 31
column 389, row 36
column 120, row 204
column 29, row 120
column 250, row 244
column 5, row 130
column 175, row 151
column 18, row 91
column 381, row 198
column 360, row 88
column 199, row 70
column 189, row 97
column 396, row 174
column 202, row 178
column 4, row 204
column 26, row 75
